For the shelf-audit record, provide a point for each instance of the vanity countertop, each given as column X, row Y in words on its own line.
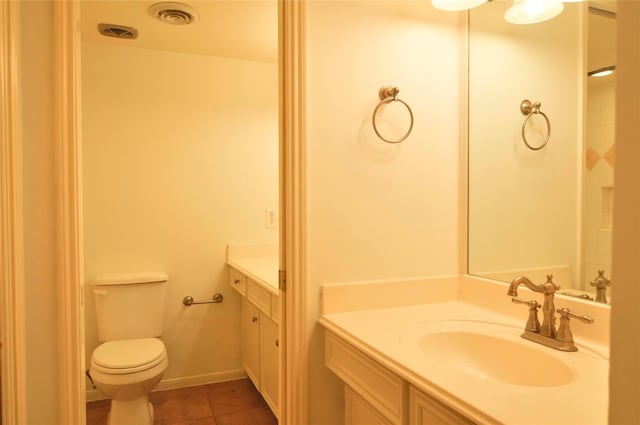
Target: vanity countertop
column 258, row 262
column 393, row 337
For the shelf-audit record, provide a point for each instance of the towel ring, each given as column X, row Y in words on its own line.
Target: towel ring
column 530, row 109
column 389, row 94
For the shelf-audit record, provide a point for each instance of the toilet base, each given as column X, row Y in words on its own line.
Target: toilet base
column 138, row 411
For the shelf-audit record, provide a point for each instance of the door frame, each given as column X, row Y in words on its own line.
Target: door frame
column 12, row 323
column 293, row 203
column 68, row 167
column 294, row 382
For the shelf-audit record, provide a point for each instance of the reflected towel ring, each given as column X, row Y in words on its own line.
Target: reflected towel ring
column 389, row 94
column 530, row 109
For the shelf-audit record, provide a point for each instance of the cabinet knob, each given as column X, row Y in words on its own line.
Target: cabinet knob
column 277, row 343
column 254, row 319
column 236, row 281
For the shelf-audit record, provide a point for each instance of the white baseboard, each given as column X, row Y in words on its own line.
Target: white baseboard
column 188, row 381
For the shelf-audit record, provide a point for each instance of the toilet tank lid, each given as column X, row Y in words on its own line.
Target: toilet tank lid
column 129, row 278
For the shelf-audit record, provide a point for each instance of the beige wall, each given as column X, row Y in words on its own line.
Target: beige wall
column 523, row 204
column 36, row 95
column 180, row 158
column 378, row 210
column 625, row 320
column 41, row 334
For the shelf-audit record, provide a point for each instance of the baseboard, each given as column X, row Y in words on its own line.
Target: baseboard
column 188, row 381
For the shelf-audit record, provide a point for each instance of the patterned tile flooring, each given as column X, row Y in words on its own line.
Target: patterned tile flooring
column 223, row 403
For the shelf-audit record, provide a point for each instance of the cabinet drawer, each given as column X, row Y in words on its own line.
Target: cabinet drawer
column 259, row 296
column 424, row 410
column 375, row 384
column 237, row 280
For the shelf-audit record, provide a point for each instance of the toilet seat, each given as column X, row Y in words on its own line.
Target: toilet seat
column 128, row 355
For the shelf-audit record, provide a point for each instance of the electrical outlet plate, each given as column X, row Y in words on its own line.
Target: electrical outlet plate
column 271, row 219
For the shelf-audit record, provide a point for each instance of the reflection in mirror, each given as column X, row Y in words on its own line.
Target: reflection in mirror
column 537, row 209
column 599, row 145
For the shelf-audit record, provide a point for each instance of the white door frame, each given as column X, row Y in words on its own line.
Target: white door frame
column 293, row 204
column 67, row 140
column 12, row 322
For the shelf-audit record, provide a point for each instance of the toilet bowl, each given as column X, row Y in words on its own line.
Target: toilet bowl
column 130, row 360
column 126, row 371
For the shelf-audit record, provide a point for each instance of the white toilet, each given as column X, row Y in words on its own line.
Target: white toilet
column 130, row 360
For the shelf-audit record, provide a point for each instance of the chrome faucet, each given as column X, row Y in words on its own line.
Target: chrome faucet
column 546, row 334
column 548, row 327
column 601, row 282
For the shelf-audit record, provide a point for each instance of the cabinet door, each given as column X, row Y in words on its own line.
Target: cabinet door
column 250, row 333
column 270, row 350
column 358, row 412
column 424, row 410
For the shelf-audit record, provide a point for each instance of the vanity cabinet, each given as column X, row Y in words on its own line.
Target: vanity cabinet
column 250, row 335
column 358, row 412
column 374, row 395
column 269, row 353
column 259, row 335
column 424, row 410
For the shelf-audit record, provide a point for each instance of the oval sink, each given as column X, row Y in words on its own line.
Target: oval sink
column 490, row 357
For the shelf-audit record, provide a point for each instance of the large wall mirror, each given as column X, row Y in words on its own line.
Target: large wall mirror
column 541, row 180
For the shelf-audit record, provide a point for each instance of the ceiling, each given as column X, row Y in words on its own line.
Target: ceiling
column 242, row 29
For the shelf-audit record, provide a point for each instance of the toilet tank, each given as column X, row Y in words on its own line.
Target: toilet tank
column 129, row 305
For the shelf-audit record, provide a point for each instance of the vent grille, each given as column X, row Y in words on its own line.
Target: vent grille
column 118, row 31
column 175, row 17
column 173, row 13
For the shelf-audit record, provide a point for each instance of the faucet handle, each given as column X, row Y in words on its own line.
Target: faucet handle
column 564, row 334
column 533, row 324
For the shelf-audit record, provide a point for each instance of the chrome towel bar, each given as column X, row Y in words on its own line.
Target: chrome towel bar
column 188, row 300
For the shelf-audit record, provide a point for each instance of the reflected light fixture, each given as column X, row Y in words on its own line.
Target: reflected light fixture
column 602, row 71
column 533, row 11
column 455, row 5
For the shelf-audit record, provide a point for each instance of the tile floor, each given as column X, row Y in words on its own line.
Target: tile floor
column 223, row 403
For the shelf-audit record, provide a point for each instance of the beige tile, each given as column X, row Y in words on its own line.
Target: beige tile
column 201, row 421
column 261, row 416
column 182, row 408
column 228, row 398
column 234, row 402
column 610, row 156
column 591, row 159
column 158, row 396
column 97, row 412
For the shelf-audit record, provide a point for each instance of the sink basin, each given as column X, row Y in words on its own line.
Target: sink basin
column 489, row 351
column 489, row 357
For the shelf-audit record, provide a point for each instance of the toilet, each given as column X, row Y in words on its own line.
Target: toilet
column 130, row 360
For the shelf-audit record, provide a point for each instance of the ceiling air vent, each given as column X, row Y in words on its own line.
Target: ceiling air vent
column 173, row 13
column 118, row 31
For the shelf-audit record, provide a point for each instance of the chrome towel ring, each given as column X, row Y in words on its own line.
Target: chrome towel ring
column 530, row 109
column 389, row 94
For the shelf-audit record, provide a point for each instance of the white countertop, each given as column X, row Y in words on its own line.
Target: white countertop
column 263, row 270
column 390, row 336
column 259, row 263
